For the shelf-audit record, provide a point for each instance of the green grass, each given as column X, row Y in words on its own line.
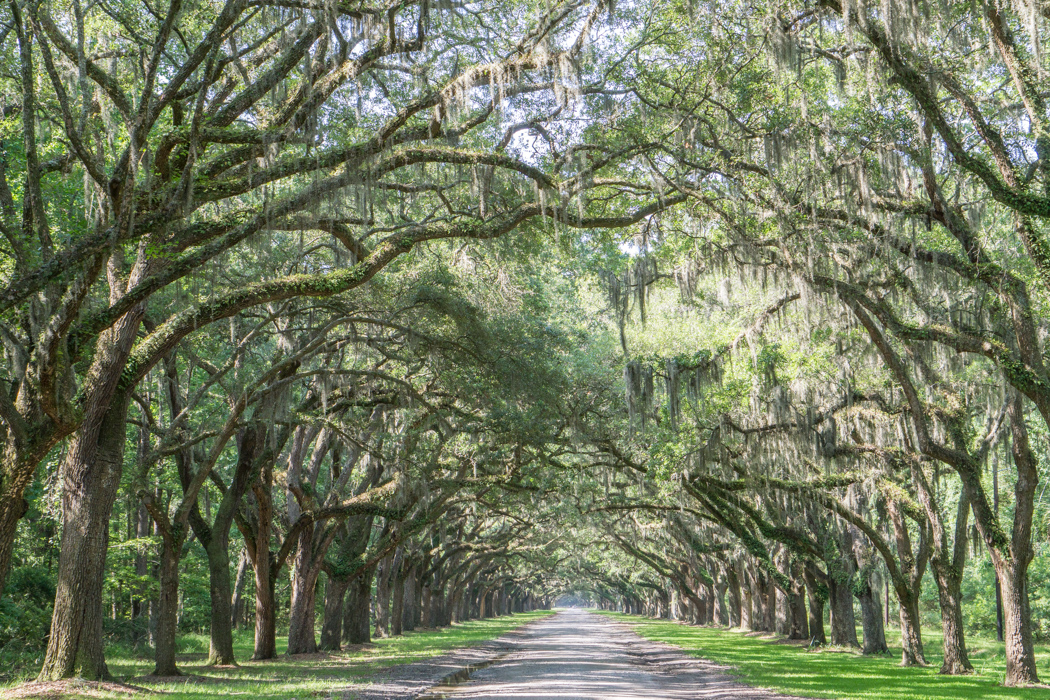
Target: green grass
column 319, row 676
column 790, row 668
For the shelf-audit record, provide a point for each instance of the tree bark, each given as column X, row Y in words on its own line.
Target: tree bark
column 237, row 604
column 721, row 615
column 220, row 647
column 1017, row 634
column 383, row 597
column 265, row 611
column 735, row 598
column 843, row 622
column 216, row 538
column 397, row 603
column 911, row 637
column 90, row 476
column 332, row 624
column 258, row 545
column 871, row 618
column 306, row 569
column 357, row 626
column 816, row 595
column 1012, row 564
column 167, row 608
column 947, row 563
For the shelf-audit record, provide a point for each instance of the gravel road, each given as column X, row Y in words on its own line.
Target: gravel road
column 579, row 655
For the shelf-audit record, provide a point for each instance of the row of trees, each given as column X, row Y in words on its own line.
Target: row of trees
column 197, row 202
column 870, row 227
column 735, row 312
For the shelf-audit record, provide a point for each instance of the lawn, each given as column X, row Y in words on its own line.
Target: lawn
column 763, row 662
column 317, row 676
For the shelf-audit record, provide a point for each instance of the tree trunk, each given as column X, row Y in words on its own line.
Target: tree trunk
column 949, row 594
column 332, row 624
column 265, row 595
column 383, row 597
column 138, row 606
column 784, row 616
column 797, row 603
column 1017, row 633
column 90, row 479
column 721, row 611
column 911, row 633
column 167, row 608
column 305, row 571
column 216, row 537
column 265, row 612
column 13, row 506
column 397, row 604
column 745, row 608
column 357, row 626
column 735, row 599
column 816, row 594
column 220, row 648
column 843, row 622
column 1013, row 569
column 237, row 604
column 417, row 598
column 871, row 619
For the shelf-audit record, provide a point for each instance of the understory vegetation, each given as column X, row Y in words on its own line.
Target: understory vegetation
column 329, row 322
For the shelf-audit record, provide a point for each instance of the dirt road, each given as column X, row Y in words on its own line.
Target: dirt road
column 579, row 655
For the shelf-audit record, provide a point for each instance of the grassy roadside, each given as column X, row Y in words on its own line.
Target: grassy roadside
column 789, row 668
column 315, row 675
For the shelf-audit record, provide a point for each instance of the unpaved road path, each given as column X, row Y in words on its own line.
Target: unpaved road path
column 579, row 655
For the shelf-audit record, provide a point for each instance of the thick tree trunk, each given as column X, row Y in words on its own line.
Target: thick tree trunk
column 735, row 599
column 949, row 594
column 332, row 624
column 1013, row 569
column 912, row 653
column 383, row 597
column 417, row 597
column 815, row 597
column 843, row 621
column 746, row 608
column 721, row 611
column 425, row 613
column 167, row 609
column 764, row 604
column 783, row 613
column 220, row 649
column 797, row 603
column 1017, row 631
column 357, row 626
column 265, row 595
column 90, row 479
column 305, row 572
column 265, row 614
column 871, row 620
